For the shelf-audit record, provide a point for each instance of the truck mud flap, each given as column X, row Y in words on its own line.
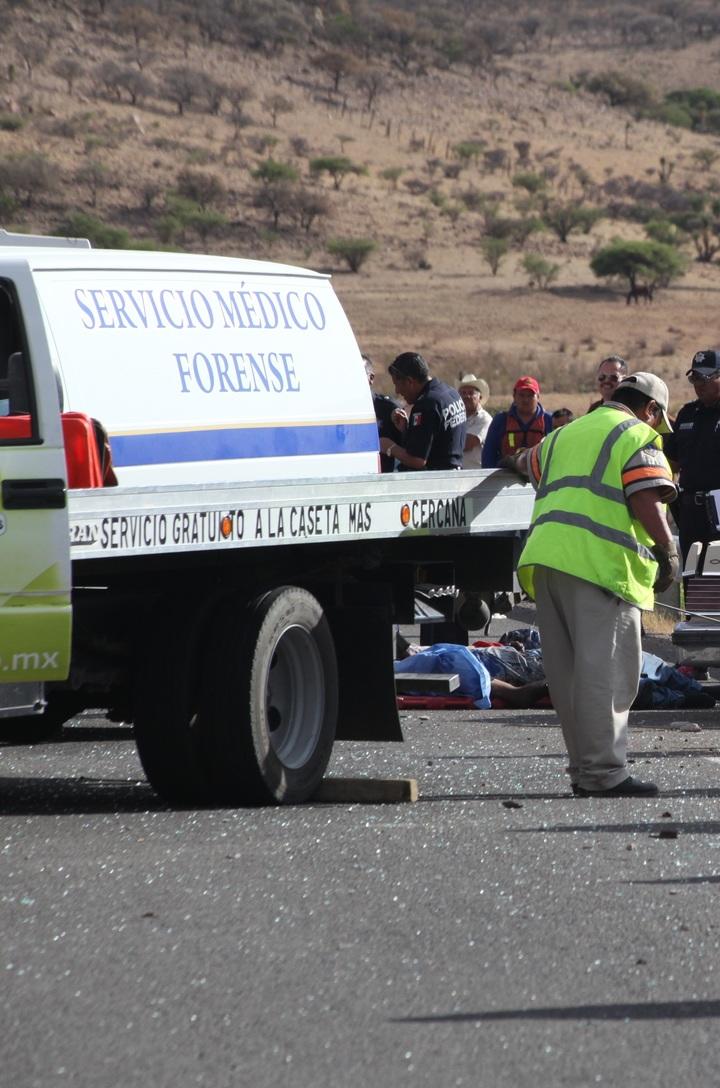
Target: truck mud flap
column 364, row 648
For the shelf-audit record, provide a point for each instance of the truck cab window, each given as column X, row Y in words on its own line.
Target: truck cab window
column 15, row 392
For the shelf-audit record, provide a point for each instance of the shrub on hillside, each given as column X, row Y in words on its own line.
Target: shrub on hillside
column 391, row 174
column 702, row 224
column 514, row 231
column 699, row 105
column 337, row 166
column 27, row 176
column 11, row 122
column 205, row 189
column 271, row 172
column 354, row 251
column 564, row 219
column 665, row 232
column 619, row 88
column 541, row 272
column 493, row 251
column 532, row 183
column 82, row 225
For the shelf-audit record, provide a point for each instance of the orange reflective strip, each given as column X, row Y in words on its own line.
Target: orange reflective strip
column 651, row 472
column 535, row 463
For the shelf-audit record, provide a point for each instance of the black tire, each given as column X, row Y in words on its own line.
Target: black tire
column 166, row 710
column 270, row 699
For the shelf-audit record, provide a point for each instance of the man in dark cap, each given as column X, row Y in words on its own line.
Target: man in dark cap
column 434, row 431
column 693, row 449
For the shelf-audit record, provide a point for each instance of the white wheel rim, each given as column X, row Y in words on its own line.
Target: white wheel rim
column 295, row 697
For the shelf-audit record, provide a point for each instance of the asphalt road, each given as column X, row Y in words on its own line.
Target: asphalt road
column 497, row 932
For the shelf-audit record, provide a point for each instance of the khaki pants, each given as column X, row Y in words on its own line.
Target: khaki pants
column 592, row 656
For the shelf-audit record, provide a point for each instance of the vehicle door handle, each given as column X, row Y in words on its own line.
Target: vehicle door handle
column 34, row 494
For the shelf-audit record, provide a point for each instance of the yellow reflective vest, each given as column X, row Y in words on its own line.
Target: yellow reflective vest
column 581, row 522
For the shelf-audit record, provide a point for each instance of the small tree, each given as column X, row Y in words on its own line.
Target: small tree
column 516, row 231
column 94, row 175
column 300, row 146
column 239, row 119
column 27, row 176
column 136, row 84
column 182, row 86
column 662, row 230
column 141, row 24
column 69, row 69
column 206, row 222
column 493, row 251
column 275, row 104
column 205, row 189
column 495, row 159
column 563, row 219
column 337, row 64
column 271, row 171
column 82, row 225
column 372, row 82
column 337, row 166
column 532, row 183
column 703, row 226
column 392, row 174
column 653, row 262
column 523, row 152
column 307, row 206
column 214, row 93
column 620, row 89
column 33, row 48
column 278, row 197
column 541, row 272
column 354, row 251
column 107, row 74
column 468, row 150
column 705, row 157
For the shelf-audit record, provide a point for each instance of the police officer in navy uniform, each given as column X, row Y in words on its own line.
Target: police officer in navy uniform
column 434, row 431
column 384, row 407
column 693, row 449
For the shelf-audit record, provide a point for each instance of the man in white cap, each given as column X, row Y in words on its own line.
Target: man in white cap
column 694, row 449
column 599, row 544
column 473, row 392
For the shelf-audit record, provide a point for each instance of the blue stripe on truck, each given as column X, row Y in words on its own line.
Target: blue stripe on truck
column 231, row 444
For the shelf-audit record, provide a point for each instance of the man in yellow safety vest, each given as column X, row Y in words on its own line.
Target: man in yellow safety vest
column 599, row 544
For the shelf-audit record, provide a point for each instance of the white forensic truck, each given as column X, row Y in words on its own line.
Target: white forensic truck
column 194, row 531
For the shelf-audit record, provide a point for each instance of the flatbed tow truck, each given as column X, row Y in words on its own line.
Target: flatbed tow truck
column 230, row 583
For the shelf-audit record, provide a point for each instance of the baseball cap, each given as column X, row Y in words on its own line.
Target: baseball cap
column 409, row 365
column 652, row 387
column 526, row 382
column 477, row 383
column 705, row 363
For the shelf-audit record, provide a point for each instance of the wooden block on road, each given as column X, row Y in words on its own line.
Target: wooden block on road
column 439, row 683
column 366, row 791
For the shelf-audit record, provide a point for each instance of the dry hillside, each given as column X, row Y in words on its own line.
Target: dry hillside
column 206, row 135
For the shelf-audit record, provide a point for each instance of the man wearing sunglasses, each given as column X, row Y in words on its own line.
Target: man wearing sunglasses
column 612, row 369
column 693, row 450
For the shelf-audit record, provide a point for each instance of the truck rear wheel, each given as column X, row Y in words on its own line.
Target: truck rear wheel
column 167, row 727
column 270, row 698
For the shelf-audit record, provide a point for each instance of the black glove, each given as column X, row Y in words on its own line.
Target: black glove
column 668, row 566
